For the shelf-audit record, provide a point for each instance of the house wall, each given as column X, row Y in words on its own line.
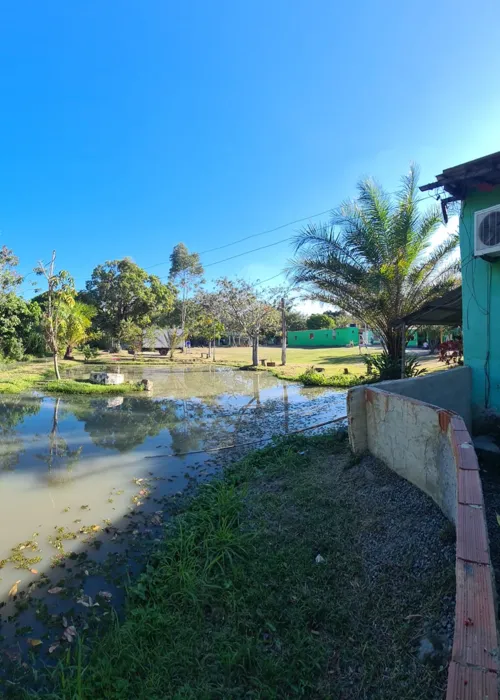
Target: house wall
column 324, row 337
column 481, row 310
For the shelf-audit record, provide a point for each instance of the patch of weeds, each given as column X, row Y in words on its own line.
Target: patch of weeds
column 61, row 534
column 18, row 556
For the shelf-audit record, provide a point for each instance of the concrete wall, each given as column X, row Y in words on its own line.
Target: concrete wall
column 410, row 437
column 481, row 301
column 450, row 389
column 431, row 447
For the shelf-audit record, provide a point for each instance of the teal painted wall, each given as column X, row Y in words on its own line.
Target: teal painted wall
column 325, row 337
column 481, row 309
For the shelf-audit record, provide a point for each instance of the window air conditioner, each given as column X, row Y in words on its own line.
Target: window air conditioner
column 487, row 232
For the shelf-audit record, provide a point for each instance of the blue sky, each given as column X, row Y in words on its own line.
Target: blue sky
column 127, row 127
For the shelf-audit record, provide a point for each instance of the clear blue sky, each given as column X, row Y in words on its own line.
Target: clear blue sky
column 126, row 127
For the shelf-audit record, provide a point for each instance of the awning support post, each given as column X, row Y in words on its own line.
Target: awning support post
column 403, row 349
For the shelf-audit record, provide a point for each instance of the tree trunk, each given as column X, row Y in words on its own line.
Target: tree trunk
column 283, row 333
column 56, row 367
column 255, row 351
column 213, row 347
column 68, row 355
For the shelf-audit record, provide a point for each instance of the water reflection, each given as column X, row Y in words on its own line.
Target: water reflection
column 58, row 453
column 80, row 461
column 13, row 411
column 124, row 424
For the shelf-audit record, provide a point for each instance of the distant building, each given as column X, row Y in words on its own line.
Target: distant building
column 162, row 339
column 328, row 337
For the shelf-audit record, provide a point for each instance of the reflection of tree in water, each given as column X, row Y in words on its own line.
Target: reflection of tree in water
column 13, row 411
column 58, row 453
column 127, row 425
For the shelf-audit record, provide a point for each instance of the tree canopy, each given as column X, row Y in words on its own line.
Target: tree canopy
column 317, row 321
column 374, row 258
column 123, row 292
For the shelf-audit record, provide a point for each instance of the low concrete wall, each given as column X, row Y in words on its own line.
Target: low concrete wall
column 411, row 438
column 431, row 447
column 450, row 389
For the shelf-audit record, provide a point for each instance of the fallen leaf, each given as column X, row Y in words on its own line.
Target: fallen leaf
column 69, row 633
column 96, row 528
column 33, row 571
column 64, row 622
column 34, row 642
column 87, row 602
column 13, row 590
column 53, row 647
column 319, row 559
column 105, row 594
column 55, row 590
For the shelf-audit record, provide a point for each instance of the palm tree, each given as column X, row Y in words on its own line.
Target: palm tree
column 76, row 320
column 374, row 258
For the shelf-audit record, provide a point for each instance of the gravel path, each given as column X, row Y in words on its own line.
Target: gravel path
column 408, row 538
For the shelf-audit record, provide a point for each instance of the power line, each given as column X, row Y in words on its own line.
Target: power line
column 253, row 235
column 233, row 257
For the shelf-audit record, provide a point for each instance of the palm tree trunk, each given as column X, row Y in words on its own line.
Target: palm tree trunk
column 392, row 342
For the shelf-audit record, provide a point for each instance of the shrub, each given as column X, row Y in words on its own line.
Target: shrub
column 382, row 367
column 13, row 349
column 89, row 352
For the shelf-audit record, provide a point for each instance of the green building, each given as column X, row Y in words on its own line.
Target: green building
column 324, row 337
column 476, row 185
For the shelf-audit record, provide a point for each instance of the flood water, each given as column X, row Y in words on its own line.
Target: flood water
column 88, row 475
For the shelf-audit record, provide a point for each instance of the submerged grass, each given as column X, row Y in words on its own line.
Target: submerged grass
column 235, row 604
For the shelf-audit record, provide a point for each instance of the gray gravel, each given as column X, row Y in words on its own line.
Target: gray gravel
column 407, row 536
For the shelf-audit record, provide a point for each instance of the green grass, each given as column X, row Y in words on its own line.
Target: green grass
column 233, row 604
column 75, row 386
column 312, row 378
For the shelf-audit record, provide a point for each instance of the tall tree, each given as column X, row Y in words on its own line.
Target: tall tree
column 186, row 272
column 374, row 258
column 122, row 291
column 60, row 295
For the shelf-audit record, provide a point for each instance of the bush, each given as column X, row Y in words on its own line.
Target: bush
column 89, row 352
column 312, row 378
column 13, row 349
column 383, row 367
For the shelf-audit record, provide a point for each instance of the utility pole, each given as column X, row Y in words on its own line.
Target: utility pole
column 283, row 332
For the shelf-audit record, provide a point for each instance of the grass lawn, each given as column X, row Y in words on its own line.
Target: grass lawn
column 236, row 604
column 17, row 377
column 298, row 359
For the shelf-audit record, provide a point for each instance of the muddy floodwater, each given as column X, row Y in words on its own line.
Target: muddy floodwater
column 84, row 482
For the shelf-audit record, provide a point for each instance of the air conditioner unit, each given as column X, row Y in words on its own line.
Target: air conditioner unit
column 487, row 232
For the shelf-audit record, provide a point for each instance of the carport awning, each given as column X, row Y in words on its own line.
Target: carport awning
column 445, row 311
